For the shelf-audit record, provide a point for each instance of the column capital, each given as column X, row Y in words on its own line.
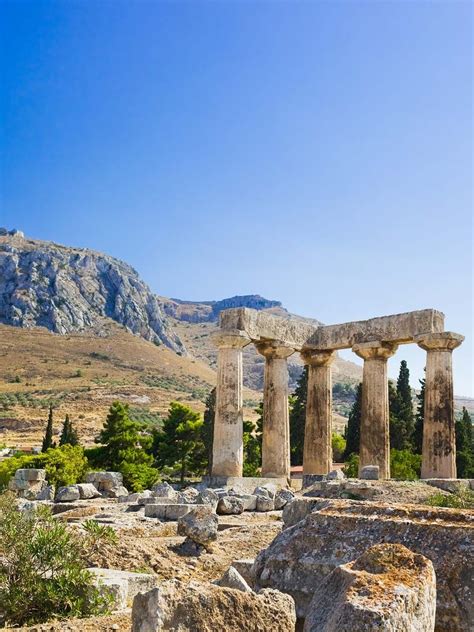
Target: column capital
column 274, row 349
column 375, row 350
column 444, row 341
column 232, row 339
column 314, row 357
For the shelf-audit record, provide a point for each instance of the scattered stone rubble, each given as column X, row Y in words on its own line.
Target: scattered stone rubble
column 207, row 608
column 28, row 483
column 320, row 535
column 388, row 588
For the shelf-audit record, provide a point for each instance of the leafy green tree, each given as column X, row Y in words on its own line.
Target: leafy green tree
column 352, row 432
column 298, row 418
column 48, row 437
column 338, row 447
column 65, row 465
column 464, row 446
column 252, row 440
column 208, row 427
column 68, row 433
column 417, row 440
column 124, row 448
column 179, row 443
column 43, row 573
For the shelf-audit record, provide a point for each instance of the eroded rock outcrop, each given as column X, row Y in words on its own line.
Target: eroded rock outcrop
column 207, row 608
column 387, row 589
column 339, row 531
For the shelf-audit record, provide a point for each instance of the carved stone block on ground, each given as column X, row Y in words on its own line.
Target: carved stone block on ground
column 387, row 589
column 199, row 525
column 170, row 511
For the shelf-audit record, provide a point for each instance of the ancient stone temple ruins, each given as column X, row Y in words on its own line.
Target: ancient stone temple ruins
column 374, row 340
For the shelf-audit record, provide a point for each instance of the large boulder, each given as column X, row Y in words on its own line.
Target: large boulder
column 230, row 505
column 88, row 491
column 283, row 497
column 199, row 525
column 208, row 497
column 28, row 482
column 387, row 589
column 67, row 494
column 163, row 490
column 206, row 608
column 338, row 531
column 109, row 484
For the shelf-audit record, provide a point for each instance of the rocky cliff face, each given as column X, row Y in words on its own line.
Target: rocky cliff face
column 208, row 311
column 70, row 289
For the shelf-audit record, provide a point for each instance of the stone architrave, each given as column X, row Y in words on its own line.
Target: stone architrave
column 227, row 456
column 276, row 423
column 439, row 437
column 317, row 457
column 374, row 428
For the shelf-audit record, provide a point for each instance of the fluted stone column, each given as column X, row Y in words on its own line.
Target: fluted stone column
column 227, row 454
column 439, row 437
column 374, row 427
column 276, row 423
column 317, row 458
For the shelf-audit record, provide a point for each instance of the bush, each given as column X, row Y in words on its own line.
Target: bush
column 43, row 574
column 10, row 465
column 338, row 447
column 461, row 499
column 404, row 465
column 351, row 470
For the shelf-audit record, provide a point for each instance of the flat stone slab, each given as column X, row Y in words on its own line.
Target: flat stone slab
column 243, row 483
column 449, row 484
column 169, row 511
column 123, row 585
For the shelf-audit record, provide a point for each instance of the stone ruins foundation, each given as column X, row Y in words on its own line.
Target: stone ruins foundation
column 374, row 340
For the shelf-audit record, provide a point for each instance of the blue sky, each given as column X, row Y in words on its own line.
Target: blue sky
column 319, row 153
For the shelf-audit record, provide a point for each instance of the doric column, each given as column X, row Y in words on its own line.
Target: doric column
column 317, row 458
column 374, row 427
column 276, row 423
column 439, row 437
column 227, row 454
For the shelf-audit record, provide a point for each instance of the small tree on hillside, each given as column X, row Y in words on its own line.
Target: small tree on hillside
column 179, row 443
column 352, row 432
column 68, row 433
column 124, row 448
column 48, row 436
column 298, row 418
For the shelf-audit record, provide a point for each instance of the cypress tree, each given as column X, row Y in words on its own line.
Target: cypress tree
column 298, row 418
column 352, row 432
column 48, row 436
column 464, row 446
column 417, row 438
column 401, row 411
column 68, row 433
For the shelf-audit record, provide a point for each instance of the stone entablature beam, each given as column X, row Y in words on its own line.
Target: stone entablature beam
column 439, row 436
column 227, row 456
column 276, row 422
column 397, row 328
column 317, row 457
column 374, row 427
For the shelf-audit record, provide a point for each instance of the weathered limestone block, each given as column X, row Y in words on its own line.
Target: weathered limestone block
column 109, row 484
column 370, row 473
column 164, row 490
column 228, row 455
column 199, row 525
column 245, row 568
column 283, row 497
column 47, row 493
column 398, row 328
column 233, row 579
column 439, row 437
column 168, row 511
column 317, row 457
column 123, row 585
column 87, row 491
column 339, row 531
column 230, row 505
column 387, row 589
column 67, row 493
column 265, row 504
column 276, row 425
column 189, row 496
column 206, row 608
column 117, row 492
column 28, row 483
column 249, row 500
column 374, row 424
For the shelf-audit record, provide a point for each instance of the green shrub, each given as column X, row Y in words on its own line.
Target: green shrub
column 404, row 465
column 461, row 499
column 10, row 465
column 43, row 574
column 338, row 447
column 351, row 469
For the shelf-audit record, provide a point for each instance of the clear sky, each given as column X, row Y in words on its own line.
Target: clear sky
column 319, row 153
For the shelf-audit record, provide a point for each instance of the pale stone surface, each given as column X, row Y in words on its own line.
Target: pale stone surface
column 88, row 490
column 451, row 485
column 117, row 492
column 163, row 490
column 397, row 328
column 387, row 589
column 28, row 483
column 283, row 497
column 123, row 585
column 227, row 457
column 439, row 438
column 207, row 608
column 199, row 525
column 276, row 423
column 336, row 475
column 374, row 425
column 230, row 505
column 317, row 458
column 249, row 500
column 188, row 496
column 208, row 497
column 67, row 493
column 338, row 531
column 233, row 579
column 245, row 484
column 265, row 504
column 169, row 511
column 370, row 473
column 245, row 568
column 47, row 493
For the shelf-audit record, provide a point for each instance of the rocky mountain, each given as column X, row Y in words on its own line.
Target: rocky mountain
column 208, row 311
column 71, row 290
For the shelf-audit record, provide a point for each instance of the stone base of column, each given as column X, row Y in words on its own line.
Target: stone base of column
column 245, row 483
